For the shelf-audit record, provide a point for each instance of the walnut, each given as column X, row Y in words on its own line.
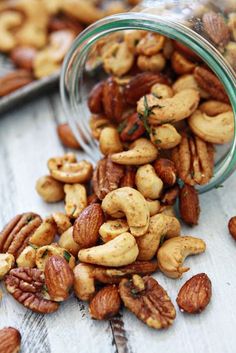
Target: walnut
column 148, row 301
column 106, row 177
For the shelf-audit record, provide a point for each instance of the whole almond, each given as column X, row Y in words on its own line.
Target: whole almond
column 86, row 226
column 59, row 278
column 67, row 137
column 166, row 170
column 10, row 340
column 232, row 227
column 189, row 205
column 95, row 99
column 195, row 294
column 23, row 57
column 216, row 28
column 105, row 304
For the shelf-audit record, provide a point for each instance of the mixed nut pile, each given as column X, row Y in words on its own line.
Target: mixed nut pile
column 156, row 118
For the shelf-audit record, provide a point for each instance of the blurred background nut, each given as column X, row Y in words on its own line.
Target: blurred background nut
column 9, row 20
column 10, row 340
column 148, row 183
column 14, row 80
column 95, row 99
column 27, row 258
column 43, row 253
column 50, row 189
column 105, row 304
column 84, row 283
column 75, row 200
column 23, row 57
column 67, row 242
column 6, row 263
column 118, row 59
column 165, row 136
column 154, row 63
column 151, row 44
column 62, row 222
column 112, row 228
column 45, row 233
column 66, row 136
column 166, row 170
column 181, row 64
column 109, row 141
column 132, row 37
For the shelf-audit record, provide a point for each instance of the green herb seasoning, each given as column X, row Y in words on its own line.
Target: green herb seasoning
column 67, row 255
column 121, row 126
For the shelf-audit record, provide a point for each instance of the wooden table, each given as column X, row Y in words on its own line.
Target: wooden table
column 27, row 139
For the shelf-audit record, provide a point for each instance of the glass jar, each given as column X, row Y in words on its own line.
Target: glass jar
column 196, row 24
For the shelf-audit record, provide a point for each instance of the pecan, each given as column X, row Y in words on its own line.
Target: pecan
column 189, row 205
column 140, row 85
column 10, row 340
column 113, row 275
column 14, row 80
column 27, row 286
column 105, row 304
column 133, row 128
column 23, row 57
column 129, row 178
column 15, row 236
column 232, row 227
column 95, row 99
column 148, row 301
column 113, row 101
column 195, row 294
column 216, row 28
column 210, row 83
column 194, row 160
column 170, row 196
column 106, row 177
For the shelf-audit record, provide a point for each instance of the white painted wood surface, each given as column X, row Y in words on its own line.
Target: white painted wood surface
column 27, row 139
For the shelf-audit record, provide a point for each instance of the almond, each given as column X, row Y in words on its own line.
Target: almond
column 10, row 340
column 23, row 57
column 67, row 137
column 105, row 304
column 87, row 225
column 189, row 205
column 195, row 294
column 216, row 28
column 232, row 227
column 59, row 278
column 166, row 170
column 95, row 99
column 113, row 102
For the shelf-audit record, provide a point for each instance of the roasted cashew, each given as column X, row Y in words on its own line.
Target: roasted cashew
column 160, row 226
column 97, row 123
column 62, row 222
column 132, row 38
column 173, row 109
column 188, row 81
column 44, row 252
column 151, row 44
column 112, row 228
column 160, row 90
column 67, row 242
column 173, row 252
column 153, row 206
column 84, row 283
column 217, row 129
column 109, row 141
column 213, row 107
column 118, row 59
column 68, row 170
column 154, row 63
column 50, row 189
column 181, row 64
column 141, row 151
column 75, row 200
column 8, row 21
column 6, row 263
column 120, row 251
column 45, row 233
column 167, row 210
column 27, row 257
column 165, row 136
column 132, row 203
column 148, row 183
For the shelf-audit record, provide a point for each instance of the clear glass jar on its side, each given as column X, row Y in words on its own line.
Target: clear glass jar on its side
column 197, row 25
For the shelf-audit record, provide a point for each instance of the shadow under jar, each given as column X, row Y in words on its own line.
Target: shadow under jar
column 207, row 28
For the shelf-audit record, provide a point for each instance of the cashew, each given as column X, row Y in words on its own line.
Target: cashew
column 165, row 136
column 121, row 251
column 68, row 170
column 75, row 200
column 84, row 285
column 154, row 63
column 83, row 10
column 8, row 21
column 132, row 203
column 160, row 226
column 45, row 233
column 141, row 151
column 112, row 228
column 181, row 64
column 218, row 129
column 109, row 141
column 43, row 253
column 97, row 124
column 62, row 222
column 232, row 25
column 167, row 210
column 27, row 257
column 213, row 107
column 151, row 44
column 173, row 109
column 173, row 252
column 153, row 206
column 67, row 242
column 118, row 59
column 160, row 90
column 6, row 263
column 50, row 189
column 148, row 183
column 132, row 38
column 188, row 81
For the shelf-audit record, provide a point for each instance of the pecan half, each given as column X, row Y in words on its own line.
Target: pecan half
column 194, row 160
column 113, row 275
column 15, row 236
column 216, row 28
column 106, row 177
column 133, row 128
column 148, row 301
column 129, row 178
column 113, row 101
column 210, row 83
column 27, row 286
column 14, row 80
